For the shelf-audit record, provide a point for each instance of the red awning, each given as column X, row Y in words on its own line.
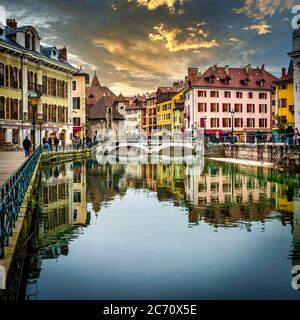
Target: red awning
column 77, row 129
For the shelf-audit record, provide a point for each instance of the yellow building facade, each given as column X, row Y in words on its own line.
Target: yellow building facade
column 35, row 84
column 177, row 105
column 285, row 99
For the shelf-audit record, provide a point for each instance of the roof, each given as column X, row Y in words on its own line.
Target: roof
column 95, row 82
column 44, row 53
column 99, row 110
column 120, row 98
column 288, row 78
column 137, row 103
column 98, row 92
column 167, row 89
column 236, row 78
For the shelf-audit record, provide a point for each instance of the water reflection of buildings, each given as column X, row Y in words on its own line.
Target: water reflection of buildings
column 220, row 195
column 63, row 211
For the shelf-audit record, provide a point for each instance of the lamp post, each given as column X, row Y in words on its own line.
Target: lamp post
column 40, row 122
column 232, row 126
column 33, row 100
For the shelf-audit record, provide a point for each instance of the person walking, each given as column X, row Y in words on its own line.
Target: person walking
column 56, row 143
column 50, row 144
column 26, row 146
column 290, row 134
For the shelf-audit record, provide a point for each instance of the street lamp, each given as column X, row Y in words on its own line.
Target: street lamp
column 232, row 126
column 33, row 100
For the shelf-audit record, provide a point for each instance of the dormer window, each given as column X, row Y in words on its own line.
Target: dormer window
column 27, row 40
column 91, row 96
column 1, row 32
column 210, row 80
column 226, row 82
column 54, row 53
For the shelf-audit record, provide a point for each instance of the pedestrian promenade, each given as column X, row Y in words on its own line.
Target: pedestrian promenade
column 10, row 161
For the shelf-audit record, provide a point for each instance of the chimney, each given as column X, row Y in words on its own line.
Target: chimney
column 247, row 68
column 263, row 67
column 227, row 69
column 283, row 72
column 192, row 74
column 62, row 53
column 12, row 23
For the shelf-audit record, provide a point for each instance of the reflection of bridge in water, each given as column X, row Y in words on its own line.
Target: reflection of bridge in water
column 150, row 147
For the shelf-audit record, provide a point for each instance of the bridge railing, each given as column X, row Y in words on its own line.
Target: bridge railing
column 12, row 194
column 68, row 148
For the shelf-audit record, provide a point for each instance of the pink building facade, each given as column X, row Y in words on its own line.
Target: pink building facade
column 224, row 96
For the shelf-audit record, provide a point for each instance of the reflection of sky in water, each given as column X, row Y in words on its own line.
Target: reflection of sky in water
column 140, row 248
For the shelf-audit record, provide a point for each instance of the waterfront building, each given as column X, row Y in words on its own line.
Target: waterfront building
column 79, row 83
column 178, row 109
column 225, row 98
column 134, row 116
column 103, row 117
column 35, row 87
column 164, row 109
column 104, row 120
column 295, row 55
column 149, row 125
column 285, row 98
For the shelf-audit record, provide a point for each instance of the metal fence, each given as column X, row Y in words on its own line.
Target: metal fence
column 11, row 197
column 67, row 148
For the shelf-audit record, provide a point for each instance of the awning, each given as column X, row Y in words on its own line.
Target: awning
column 77, row 129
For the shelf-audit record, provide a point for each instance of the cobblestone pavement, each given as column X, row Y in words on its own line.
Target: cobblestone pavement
column 10, row 161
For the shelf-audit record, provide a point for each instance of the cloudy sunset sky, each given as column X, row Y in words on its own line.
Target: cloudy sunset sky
column 137, row 45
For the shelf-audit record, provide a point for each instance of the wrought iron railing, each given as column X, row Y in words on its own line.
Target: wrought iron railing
column 12, row 194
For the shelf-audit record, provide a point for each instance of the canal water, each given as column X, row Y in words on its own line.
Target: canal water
column 164, row 230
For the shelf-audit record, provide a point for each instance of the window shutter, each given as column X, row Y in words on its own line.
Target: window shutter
column 218, row 122
column 205, row 107
column 217, row 107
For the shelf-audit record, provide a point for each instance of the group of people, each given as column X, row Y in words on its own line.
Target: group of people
column 292, row 135
column 50, row 143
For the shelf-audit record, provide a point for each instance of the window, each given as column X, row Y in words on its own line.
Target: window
column 226, row 107
column 250, row 95
column 214, row 122
column 282, row 103
column 201, row 93
column 214, row 107
column 27, row 41
column 227, row 94
column 2, row 77
column 45, row 85
column 2, row 107
column 262, row 95
column 262, row 108
column 250, row 123
column 262, row 123
column 20, row 79
column 76, row 121
column 239, row 95
column 250, row 108
column 77, row 196
column 226, row 122
column 210, row 80
column 238, row 107
column 74, row 85
column 201, row 107
column 45, row 110
column 214, row 94
column 14, row 109
column 238, row 122
column 30, row 80
column 284, row 87
column 76, row 103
